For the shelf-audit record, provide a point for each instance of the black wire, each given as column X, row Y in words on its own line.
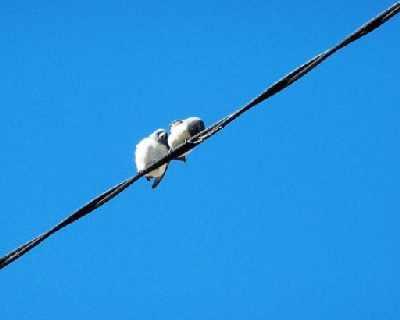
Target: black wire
column 205, row 134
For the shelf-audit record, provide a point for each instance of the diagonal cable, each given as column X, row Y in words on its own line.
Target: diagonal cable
column 278, row 86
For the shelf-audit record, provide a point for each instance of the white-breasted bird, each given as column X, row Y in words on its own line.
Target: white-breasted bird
column 183, row 130
column 148, row 151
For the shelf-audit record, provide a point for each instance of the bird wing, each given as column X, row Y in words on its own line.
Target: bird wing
column 195, row 126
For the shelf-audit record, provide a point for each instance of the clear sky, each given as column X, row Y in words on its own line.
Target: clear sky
column 290, row 213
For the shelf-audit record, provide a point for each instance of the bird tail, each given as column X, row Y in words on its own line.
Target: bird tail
column 157, row 180
column 181, row 158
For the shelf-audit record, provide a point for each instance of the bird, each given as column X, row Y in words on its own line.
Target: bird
column 183, row 130
column 148, row 151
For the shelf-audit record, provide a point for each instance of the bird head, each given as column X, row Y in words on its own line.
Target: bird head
column 161, row 136
column 174, row 124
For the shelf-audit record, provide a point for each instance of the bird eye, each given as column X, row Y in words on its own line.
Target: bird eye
column 161, row 134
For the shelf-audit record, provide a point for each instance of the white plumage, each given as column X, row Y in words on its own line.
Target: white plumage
column 148, row 151
column 183, row 130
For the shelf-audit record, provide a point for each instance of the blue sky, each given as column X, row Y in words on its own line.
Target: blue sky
column 290, row 213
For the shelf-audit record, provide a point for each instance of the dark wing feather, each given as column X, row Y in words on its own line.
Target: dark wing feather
column 195, row 127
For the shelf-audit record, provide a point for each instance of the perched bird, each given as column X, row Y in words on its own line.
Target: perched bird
column 183, row 130
column 148, row 151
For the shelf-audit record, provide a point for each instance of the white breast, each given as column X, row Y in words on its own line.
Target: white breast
column 149, row 151
column 179, row 134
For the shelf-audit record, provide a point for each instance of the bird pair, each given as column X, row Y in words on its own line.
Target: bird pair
column 157, row 145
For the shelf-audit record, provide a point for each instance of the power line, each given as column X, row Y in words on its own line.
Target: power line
column 278, row 86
